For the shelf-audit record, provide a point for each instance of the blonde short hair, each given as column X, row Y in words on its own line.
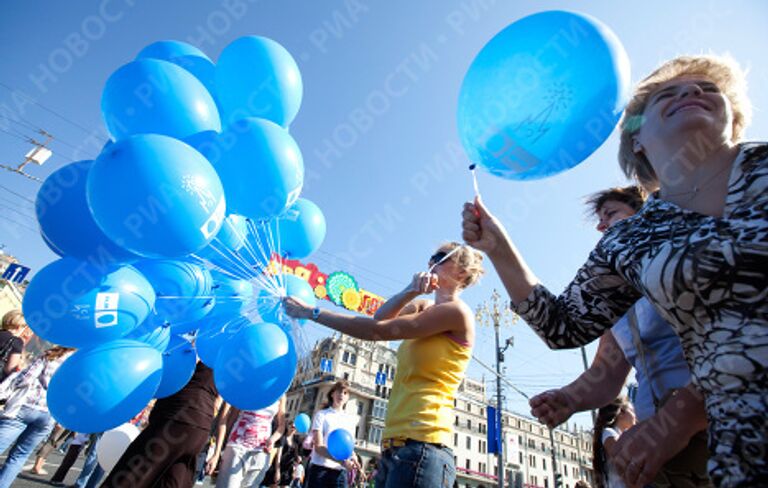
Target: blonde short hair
column 14, row 320
column 721, row 70
column 468, row 259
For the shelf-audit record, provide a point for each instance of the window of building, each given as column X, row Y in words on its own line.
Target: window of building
column 346, row 376
column 374, row 434
column 359, row 408
column 469, row 442
column 481, row 446
column 345, row 357
column 456, row 422
column 543, row 447
column 543, row 463
column 521, row 458
column 353, row 359
column 546, row 482
column 469, row 424
column 455, row 440
column 469, row 407
column 379, row 409
column 469, row 464
column 575, row 472
column 532, row 460
column 519, row 440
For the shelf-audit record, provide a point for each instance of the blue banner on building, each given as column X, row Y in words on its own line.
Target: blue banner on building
column 15, row 273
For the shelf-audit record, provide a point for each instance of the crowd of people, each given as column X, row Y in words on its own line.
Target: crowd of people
column 675, row 289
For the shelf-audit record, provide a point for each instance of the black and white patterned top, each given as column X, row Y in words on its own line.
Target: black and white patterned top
column 706, row 276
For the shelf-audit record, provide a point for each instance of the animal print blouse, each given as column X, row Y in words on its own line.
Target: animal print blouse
column 707, row 277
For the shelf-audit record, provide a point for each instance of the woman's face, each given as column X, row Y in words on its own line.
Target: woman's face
column 626, row 418
column 687, row 109
column 611, row 212
column 340, row 396
column 450, row 272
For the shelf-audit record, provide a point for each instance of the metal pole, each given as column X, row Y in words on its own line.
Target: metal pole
column 499, row 453
column 554, row 457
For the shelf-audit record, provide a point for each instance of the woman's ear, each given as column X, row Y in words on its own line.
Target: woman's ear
column 637, row 148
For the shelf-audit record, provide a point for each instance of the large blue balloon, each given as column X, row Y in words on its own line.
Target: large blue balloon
column 150, row 96
column 262, row 170
column 255, row 366
column 302, row 423
column 178, row 367
column 270, row 305
column 257, row 77
column 66, row 222
column 543, row 95
column 157, row 196
column 300, row 230
column 75, row 303
column 184, row 290
column 185, row 55
column 99, row 388
column 341, row 445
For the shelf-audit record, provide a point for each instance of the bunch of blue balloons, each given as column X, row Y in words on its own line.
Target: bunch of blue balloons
column 166, row 237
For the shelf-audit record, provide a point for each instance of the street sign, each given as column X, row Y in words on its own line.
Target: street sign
column 15, row 273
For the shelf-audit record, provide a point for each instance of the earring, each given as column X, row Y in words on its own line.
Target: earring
column 636, row 146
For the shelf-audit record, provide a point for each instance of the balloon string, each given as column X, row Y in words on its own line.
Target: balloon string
column 472, row 168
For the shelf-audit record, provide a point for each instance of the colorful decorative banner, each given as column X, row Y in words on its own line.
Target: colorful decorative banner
column 339, row 287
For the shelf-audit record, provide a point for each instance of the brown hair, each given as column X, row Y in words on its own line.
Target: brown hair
column 468, row 259
column 14, row 320
column 339, row 385
column 632, row 195
column 606, row 417
column 721, row 70
column 56, row 352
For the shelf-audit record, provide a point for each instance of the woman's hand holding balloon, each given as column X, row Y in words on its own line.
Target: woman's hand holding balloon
column 481, row 230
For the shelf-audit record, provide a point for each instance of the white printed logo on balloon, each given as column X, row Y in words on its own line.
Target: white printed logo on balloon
column 105, row 312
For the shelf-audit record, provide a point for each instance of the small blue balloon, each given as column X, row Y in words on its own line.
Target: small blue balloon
column 99, row 388
column 255, row 366
column 262, row 170
column 341, row 445
column 77, row 304
column 66, row 222
column 157, row 336
column 185, row 55
column 179, row 363
column 270, row 306
column 543, row 95
column 302, row 423
column 301, row 229
column 257, row 77
column 150, row 96
column 173, row 206
column 184, row 290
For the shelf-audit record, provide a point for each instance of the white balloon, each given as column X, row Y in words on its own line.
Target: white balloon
column 113, row 444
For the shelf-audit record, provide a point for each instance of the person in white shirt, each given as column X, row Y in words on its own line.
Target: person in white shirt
column 612, row 420
column 324, row 470
column 245, row 459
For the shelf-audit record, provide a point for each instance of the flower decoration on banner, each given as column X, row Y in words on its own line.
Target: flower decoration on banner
column 338, row 283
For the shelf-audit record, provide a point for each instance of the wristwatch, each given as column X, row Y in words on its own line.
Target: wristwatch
column 315, row 313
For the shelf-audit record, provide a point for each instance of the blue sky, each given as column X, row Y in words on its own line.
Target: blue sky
column 385, row 165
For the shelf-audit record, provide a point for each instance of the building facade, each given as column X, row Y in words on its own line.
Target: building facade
column 370, row 368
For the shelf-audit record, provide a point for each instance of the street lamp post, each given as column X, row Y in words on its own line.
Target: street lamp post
column 497, row 313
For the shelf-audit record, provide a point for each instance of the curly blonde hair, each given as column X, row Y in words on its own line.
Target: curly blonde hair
column 723, row 71
column 468, row 259
column 14, row 320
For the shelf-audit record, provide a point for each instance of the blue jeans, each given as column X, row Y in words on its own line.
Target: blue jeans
column 23, row 433
column 92, row 472
column 417, row 465
column 321, row 477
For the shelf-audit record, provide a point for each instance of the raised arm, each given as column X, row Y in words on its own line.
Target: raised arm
column 404, row 303
column 590, row 304
column 599, row 385
column 453, row 317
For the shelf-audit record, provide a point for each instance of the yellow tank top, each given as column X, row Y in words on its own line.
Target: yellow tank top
column 429, row 371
